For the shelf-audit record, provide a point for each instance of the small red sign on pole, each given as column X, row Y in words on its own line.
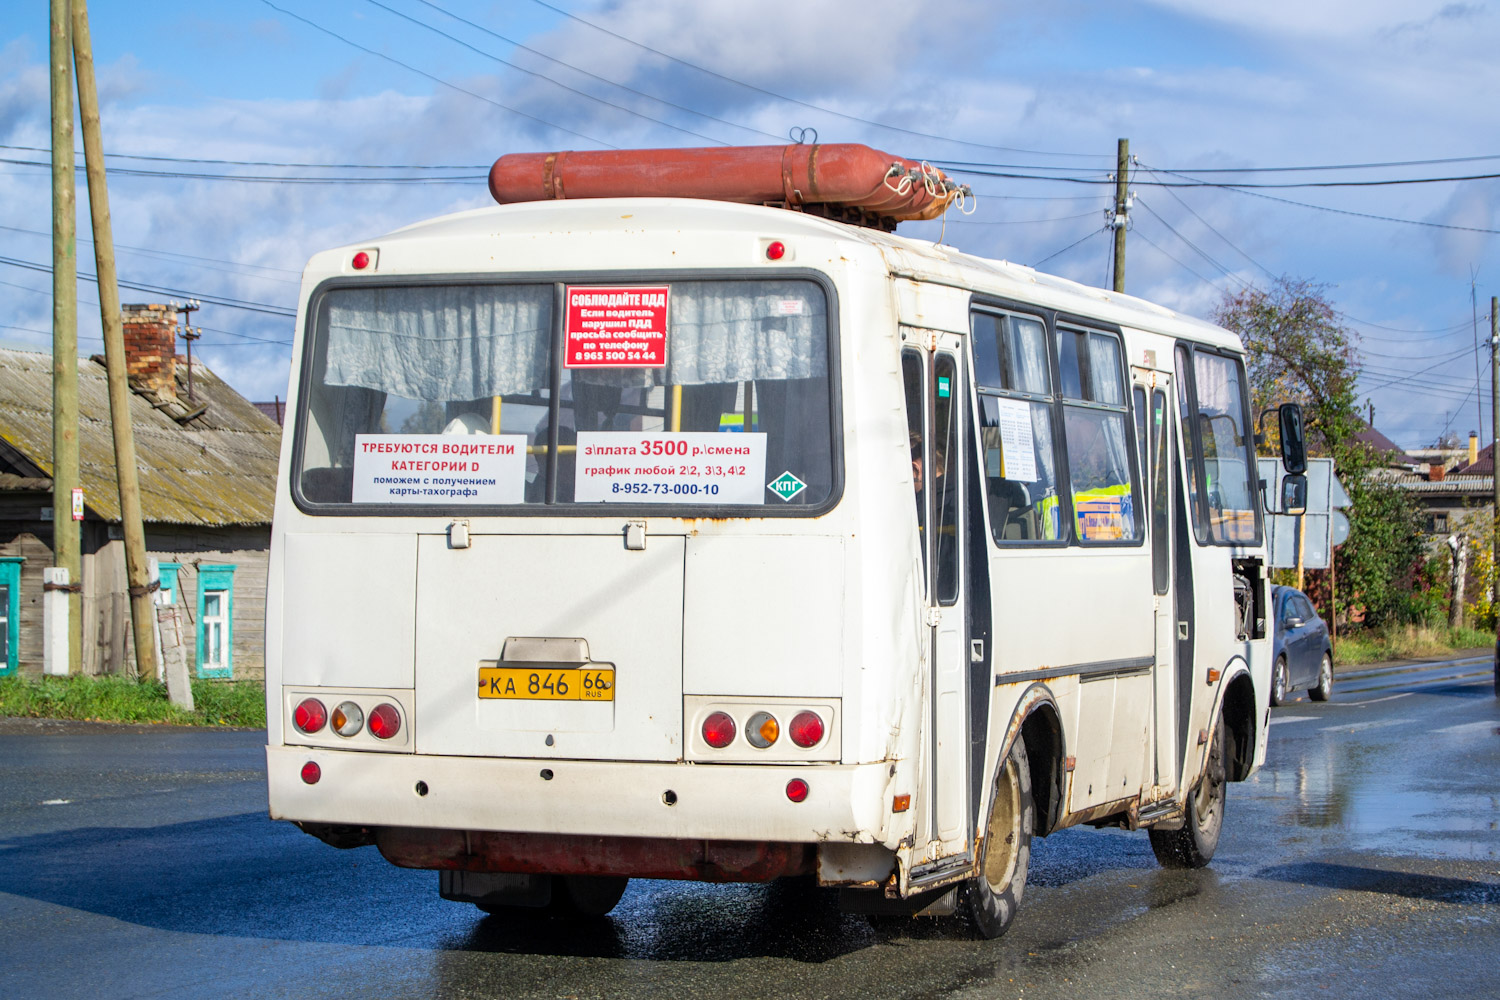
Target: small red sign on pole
column 616, row 327
column 77, row 503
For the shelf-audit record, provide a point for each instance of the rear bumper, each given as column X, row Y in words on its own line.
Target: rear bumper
column 845, row 803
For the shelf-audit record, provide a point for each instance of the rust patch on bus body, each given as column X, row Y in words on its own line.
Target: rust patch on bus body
column 572, row 854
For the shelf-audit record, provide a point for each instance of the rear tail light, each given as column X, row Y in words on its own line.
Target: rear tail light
column 385, row 721
column 762, row 730
column 310, row 716
column 806, row 729
column 311, row 772
column 348, row 719
column 796, row 790
column 718, row 730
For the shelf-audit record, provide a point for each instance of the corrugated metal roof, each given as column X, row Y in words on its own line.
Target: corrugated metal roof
column 219, row 469
column 1417, row 483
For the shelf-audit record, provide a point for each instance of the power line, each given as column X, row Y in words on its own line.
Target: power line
column 541, row 76
column 262, row 163
column 218, row 300
column 793, row 100
column 186, row 258
column 1159, row 249
column 260, row 178
column 1335, row 166
column 435, row 79
column 594, row 76
column 1065, row 249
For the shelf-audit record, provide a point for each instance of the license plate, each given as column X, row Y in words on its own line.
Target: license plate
column 563, row 684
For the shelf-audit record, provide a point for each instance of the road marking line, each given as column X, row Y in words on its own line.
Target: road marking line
column 1354, row 727
column 1467, row 727
column 56, row 802
column 1376, row 701
column 1294, row 718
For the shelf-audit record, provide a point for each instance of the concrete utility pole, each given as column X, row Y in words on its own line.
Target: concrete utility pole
column 1495, row 479
column 1122, row 209
column 66, row 544
column 142, row 608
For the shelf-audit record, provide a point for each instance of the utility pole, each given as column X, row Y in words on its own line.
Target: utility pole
column 187, row 310
column 66, row 543
column 142, row 607
column 1121, row 216
column 1495, row 479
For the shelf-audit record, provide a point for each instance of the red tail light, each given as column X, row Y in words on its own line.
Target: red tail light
column 385, row 721
column 310, row 716
column 718, row 730
column 806, row 729
column 311, row 772
column 796, row 790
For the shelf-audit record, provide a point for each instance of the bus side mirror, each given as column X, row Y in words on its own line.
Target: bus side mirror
column 1294, row 495
column 1293, row 441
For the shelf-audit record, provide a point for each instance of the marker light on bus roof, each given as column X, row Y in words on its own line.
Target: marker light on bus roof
column 385, row 721
column 310, row 716
column 775, row 250
column 348, row 719
column 806, row 729
column 762, row 730
column 718, row 730
column 361, row 261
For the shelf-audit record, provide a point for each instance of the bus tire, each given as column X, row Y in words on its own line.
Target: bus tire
column 586, row 895
column 1278, row 681
column 991, row 898
column 1324, row 688
column 1193, row 845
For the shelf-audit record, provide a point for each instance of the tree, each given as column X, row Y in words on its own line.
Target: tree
column 1300, row 350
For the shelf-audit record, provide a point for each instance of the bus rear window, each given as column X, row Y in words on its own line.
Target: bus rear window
column 688, row 393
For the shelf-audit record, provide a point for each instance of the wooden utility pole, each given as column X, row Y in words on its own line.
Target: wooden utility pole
column 1122, row 209
column 1495, row 480
column 142, row 608
column 66, row 544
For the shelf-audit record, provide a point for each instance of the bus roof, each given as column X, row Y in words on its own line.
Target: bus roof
column 920, row 260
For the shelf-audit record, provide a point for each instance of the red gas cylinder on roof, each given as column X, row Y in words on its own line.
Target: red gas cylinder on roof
column 843, row 176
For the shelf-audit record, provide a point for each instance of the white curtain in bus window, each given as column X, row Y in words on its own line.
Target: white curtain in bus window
column 1096, row 429
column 1225, row 442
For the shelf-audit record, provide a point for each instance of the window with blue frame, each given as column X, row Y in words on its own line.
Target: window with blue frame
column 168, row 573
column 10, row 612
column 215, row 640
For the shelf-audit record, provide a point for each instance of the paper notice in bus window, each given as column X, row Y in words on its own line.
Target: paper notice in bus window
column 1104, row 515
column 1018, row 450
column 439, row 468
column 690, row 467
column 616, row 327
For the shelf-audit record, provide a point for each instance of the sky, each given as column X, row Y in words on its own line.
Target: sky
column 246, row 135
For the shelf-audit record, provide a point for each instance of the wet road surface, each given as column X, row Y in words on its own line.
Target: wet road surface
column 1362, row 861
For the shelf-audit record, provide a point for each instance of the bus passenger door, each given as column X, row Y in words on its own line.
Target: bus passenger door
column 938, row 473
column 1163, row 462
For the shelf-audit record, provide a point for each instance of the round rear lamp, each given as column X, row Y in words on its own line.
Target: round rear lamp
column 775, row 250
column 718, row 730
column 361, row 261
column 762, row 730
column 311, row 772
column 806, row 729
column 310, row 716
column 348, row 719
column 385, row 721
column 796, row 790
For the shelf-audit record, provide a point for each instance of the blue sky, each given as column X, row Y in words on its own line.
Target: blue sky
column 1045, row 89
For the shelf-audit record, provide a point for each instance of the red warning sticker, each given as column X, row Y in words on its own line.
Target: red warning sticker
column 615, row 327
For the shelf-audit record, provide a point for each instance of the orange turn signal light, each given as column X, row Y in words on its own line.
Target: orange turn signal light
column 901, row 803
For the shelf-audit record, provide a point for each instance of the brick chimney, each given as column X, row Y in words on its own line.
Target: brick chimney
column 151, row 348
column 1436, row 471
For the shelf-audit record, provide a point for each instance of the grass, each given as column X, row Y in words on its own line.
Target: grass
column 1407, row 642
column 123, row 699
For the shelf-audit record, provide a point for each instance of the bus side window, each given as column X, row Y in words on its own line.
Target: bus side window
column 1142, row 439
column 1015, row 417
column 911, row 377
column 1100, row 470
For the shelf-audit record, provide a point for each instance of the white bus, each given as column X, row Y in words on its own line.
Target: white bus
column 693, row 540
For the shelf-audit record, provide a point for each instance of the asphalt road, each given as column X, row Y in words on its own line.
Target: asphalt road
column 1362, row 861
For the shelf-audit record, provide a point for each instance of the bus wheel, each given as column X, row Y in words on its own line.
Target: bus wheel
column 992, row 897
column 586, row 895
column 1193, row 845
column 1324, row 686
column 1278, row 681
